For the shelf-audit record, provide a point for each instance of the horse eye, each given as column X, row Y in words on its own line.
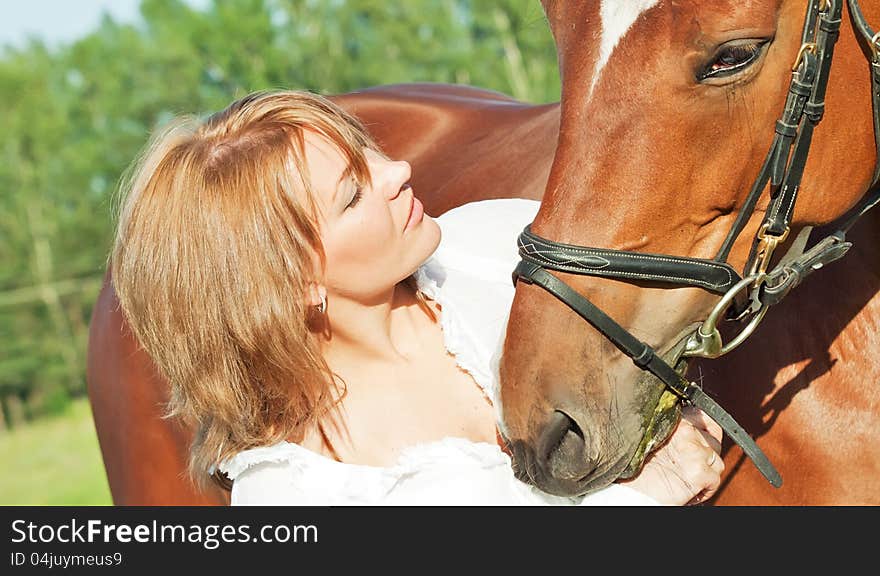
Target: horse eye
column 732, row 59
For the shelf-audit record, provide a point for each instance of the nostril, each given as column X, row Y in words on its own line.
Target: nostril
column 562, row 448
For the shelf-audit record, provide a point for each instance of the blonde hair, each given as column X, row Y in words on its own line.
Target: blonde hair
column 215, row 246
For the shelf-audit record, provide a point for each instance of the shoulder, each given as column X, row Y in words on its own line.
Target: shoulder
column 274, row 475
column 245, row 460
column 287, row 474
column 497, row 209
column 470, row 276
column 479, row 239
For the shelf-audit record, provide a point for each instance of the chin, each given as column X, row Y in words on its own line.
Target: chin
column 427, row 239
column 434, row 231
column 421, row 244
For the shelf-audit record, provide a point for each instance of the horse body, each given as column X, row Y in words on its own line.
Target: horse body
column 465, row 144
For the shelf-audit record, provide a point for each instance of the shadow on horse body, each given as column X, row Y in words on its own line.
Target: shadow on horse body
column 625, row 165
column 807, row 386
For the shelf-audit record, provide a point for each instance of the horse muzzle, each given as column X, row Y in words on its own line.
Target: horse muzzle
column 570, row 456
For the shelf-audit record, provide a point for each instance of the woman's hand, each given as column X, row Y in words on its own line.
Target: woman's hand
column 687, row 468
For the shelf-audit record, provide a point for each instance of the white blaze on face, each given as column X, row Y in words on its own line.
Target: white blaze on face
column 618, row 16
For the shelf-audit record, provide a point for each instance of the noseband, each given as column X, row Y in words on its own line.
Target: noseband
column 744, row 298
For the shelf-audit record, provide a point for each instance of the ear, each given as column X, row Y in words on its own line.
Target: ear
column 316, row 292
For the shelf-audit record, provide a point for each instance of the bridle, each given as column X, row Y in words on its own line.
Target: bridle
column 744, row 298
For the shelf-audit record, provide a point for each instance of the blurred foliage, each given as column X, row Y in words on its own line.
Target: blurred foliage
column 75, row 116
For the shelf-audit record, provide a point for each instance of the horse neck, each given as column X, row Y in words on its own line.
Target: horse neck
column 825, row 335
column 844, row 302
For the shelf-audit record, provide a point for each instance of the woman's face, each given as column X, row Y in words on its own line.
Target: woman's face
column 374, row 236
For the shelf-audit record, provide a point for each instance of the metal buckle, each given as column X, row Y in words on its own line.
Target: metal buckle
column 766, row 246
column 807, row 47
column 706, row 341
column 875, row 47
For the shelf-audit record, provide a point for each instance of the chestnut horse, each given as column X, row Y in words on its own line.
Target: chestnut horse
column 468, row 144
column 662, row 197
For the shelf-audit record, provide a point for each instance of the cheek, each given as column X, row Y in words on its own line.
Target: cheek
column 361, row 249
column 371, row 235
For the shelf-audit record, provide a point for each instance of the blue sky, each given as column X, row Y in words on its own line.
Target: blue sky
column 62, row 21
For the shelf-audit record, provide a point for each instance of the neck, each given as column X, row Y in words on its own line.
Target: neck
column 385, row 328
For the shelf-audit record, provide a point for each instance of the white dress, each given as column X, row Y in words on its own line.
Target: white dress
column 470, row 277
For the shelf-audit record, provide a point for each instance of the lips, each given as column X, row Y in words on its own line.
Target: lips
column 416, row 212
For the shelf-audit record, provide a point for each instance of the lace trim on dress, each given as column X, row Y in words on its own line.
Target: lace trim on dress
column 429, row 279
column 411, row 459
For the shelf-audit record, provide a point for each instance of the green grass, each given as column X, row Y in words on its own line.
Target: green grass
column 54, row 462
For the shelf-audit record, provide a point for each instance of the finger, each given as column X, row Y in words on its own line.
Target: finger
column 702, row 421
column 685, row 432
column 705, row 450
column 697, row 444
column 712, row 484
column 688, row 431
column 697, row 417
column 708, row 479
column 716, row 462
column 700, row 462
column 702, row 497
column 711, row 441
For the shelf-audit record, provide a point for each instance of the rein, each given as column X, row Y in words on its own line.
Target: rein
column 745, row 297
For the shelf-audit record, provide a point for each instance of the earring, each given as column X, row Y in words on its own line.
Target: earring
column 323, row 306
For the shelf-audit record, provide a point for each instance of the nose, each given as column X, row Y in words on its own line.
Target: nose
column 561, row 449
column 399, row 173
column 389, row 175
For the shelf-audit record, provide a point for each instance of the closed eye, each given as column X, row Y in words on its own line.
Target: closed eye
column 358, row 194
column 732, row 58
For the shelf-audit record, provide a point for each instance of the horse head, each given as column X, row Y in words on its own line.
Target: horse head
column 669, row 109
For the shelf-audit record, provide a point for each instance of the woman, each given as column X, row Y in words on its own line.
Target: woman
column 278, row 269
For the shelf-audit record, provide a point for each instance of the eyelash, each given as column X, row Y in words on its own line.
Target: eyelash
column 355, row 199
column 748, row 52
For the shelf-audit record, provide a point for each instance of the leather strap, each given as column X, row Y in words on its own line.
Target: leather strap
column 790, row 273
column 868, row 33
column 860, row 21
column 804, row 110
column 716, row 277
column 645, row 358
